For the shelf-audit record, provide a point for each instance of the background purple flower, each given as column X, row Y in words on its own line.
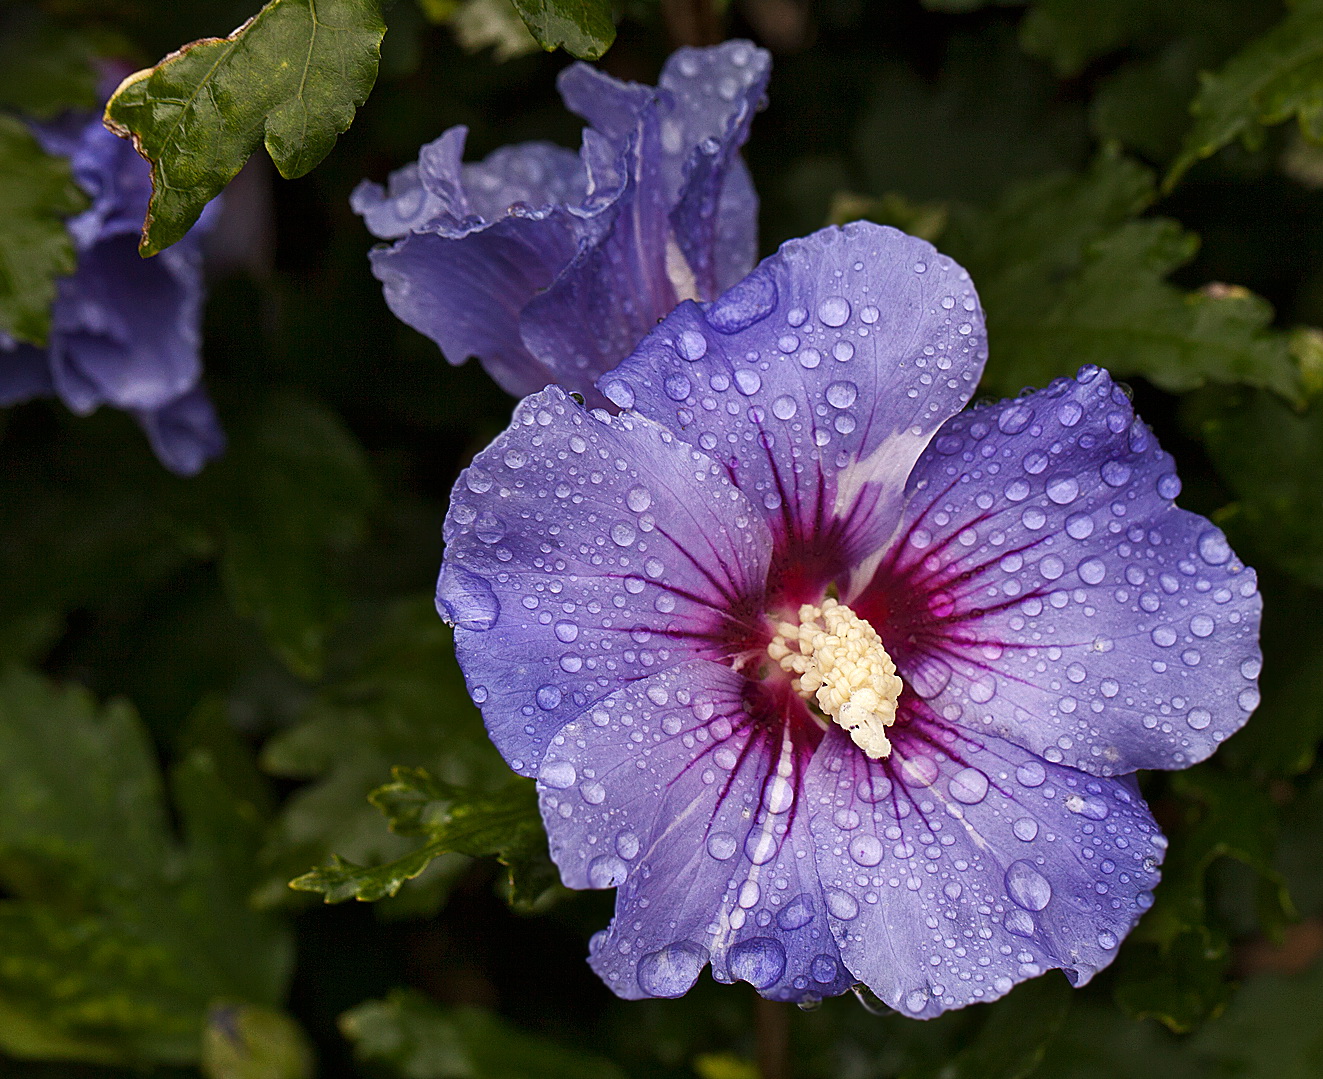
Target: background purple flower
column 125, row 331
column 550, row 266
column 616, row 581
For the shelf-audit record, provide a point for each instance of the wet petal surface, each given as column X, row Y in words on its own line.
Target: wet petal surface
column 962, row 865
column 585, row 552
column 670, row 790
column 818, row 380
column 1046, row 590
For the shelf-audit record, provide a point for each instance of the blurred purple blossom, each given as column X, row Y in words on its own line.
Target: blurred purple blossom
column 550, row 266
column 622, row 587
column 125, row 331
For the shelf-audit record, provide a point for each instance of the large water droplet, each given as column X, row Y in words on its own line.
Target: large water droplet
column 1028, row 887
column 760, row 961
column 721, row 845
column 969, row 785
column 466, row 600
column 747, row 381
column 797, row 913
column 866, row 850
column 752, row 300
column 606, row 871
column 1063, row 490
column 559, row 775
column 834, row 311
column 841, row 904
column 692, row 345
column 842, row 394
column 670, row 971
column 1213, row 548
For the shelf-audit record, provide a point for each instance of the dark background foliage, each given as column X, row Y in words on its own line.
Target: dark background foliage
column 205, row 679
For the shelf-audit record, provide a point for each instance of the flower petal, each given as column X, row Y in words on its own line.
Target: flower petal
column 466, row 293
column 125, row 330
column 185, row 433
column 615, row 289
column 715, row 218
column 819, row 379
column 584, row 552
column 671, row 791
column 961, row 865
column 1062, row 601
column 25, row 372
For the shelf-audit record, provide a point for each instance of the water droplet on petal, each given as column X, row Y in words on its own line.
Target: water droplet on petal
column 670, row 971
column 1028, row 887
column 760, row 961
column 1213, row 548
column 607, row 871
column 559, row 775
column 969, row 785
column 866, row 850
column 691, row 345
column 796, row 914
column 834, row 311
column 721, row 845
column 841, row 904
column 466, row 600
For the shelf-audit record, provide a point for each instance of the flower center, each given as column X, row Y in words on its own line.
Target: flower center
column 839, row 660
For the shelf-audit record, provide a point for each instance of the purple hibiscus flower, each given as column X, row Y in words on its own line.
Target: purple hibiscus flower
column 125, row 331
column 550, row 266
column 835, row 682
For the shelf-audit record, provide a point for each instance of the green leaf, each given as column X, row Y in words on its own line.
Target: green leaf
column 583, row 28
column 395, row 696
column 46, row 68
column 293, row 490
column 1176, row 967
column 244, row 1041
column 1275, row 77
column 409, row 1036
column 1068, row 278
column 1015, row 1036
column 990, row 105
column 1283, row 735
column 291, row 78
column 116, row 934
column 37, row 192
column 455, row 820
column 1270, row 455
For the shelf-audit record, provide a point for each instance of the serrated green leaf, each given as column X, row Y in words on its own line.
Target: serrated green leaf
column 1271, row 456
column 1275, row 77
column 454, row 820
column 409, row 1036
column 293, row 489
column 395, row 696
column 1014, row 1037
column 37, row 192
column 1177, row 965
column 1284, row 733
column 116, row 934
column 291, row 78
column 1067, row 278
column 583, row 28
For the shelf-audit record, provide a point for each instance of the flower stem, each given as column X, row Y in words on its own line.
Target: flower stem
column 773, row 1039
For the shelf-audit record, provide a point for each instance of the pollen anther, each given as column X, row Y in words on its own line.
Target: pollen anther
column 839, row 660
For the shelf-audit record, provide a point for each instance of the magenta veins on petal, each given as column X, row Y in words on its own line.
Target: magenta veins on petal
column 833, row 679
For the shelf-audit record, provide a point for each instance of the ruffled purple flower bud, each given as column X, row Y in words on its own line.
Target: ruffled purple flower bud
column 550, row 266
column 125, row 331
column 835, row 682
